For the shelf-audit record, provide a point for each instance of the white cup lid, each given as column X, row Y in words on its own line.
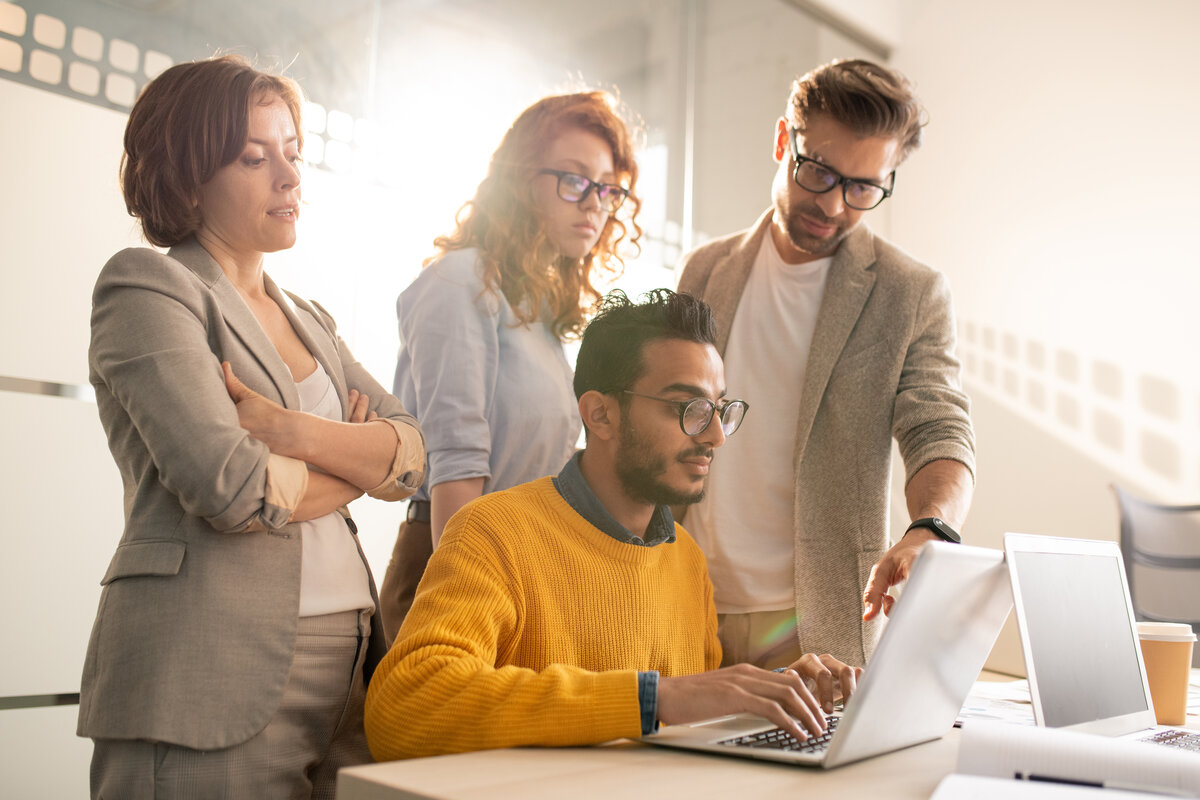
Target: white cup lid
column 1166, row 632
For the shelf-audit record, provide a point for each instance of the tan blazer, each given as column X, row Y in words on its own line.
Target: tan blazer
column 882, row 364
column 194, row 635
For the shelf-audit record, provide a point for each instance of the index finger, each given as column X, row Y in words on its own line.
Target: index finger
column 806, row 709
column 847, row 676
column 816, row 669
column 359, row 405
column 877, row 587
column 238, row 391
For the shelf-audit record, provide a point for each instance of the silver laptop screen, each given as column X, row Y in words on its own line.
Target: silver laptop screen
column 1080, row 636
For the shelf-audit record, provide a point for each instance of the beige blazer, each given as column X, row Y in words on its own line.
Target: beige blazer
column 197, row 621
column 882, row 365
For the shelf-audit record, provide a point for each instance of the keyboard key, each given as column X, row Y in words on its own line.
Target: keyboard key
column 1184, row 740
column 779, row 739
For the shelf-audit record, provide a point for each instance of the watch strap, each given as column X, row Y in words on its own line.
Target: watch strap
column 940, row 528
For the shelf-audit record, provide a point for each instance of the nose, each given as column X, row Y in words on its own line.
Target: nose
column 289, row 175
column 714, row 434
column 832, row 203
column 590, row 200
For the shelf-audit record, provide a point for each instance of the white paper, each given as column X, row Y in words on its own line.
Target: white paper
column 1011, row 751
column 975, row 787
column 1002, row 701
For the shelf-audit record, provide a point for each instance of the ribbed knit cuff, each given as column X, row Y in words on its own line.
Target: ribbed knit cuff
column 648, row 700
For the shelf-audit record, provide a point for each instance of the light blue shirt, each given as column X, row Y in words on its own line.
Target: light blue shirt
column 493, row 397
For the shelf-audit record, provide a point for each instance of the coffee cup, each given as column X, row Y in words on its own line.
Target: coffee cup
column 1167, row 652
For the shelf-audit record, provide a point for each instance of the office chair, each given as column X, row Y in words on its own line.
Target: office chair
column 1161, row 548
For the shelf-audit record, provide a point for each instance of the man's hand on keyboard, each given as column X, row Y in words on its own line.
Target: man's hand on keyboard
column 831, row 679
column 781, row 697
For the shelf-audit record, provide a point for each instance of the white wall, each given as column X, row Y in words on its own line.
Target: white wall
column 60, row 489
column 1056, row 188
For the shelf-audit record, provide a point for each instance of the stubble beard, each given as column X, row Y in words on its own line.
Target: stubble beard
column 813, row 245
column 640, row 473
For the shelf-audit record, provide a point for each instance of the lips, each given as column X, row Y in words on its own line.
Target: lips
column 821, row 229
column 286, row 213
column 697, row 461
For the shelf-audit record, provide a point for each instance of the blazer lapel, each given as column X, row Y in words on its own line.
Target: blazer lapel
column 240, row 319
column 728, row 281
column 850, row 281
column 318, row 341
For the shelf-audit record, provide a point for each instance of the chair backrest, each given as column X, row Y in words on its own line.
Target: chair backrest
column 1161, row 547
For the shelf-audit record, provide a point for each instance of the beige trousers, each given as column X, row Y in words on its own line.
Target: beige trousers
column 764, row 638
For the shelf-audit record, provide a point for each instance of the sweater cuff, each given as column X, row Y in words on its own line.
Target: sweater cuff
column 648, row 700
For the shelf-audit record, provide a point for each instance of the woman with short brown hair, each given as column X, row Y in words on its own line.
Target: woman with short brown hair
column 237, row 627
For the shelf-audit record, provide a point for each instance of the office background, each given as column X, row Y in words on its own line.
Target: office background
column 1055, row 189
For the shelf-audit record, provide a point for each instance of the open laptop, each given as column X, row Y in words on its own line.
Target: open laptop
column 1079, row 635
column 936, row 641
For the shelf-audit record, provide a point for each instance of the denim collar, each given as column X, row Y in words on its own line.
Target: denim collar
column 574, row 489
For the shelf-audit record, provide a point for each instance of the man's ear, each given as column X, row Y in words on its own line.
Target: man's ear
column 781, row 139
column 601, row 414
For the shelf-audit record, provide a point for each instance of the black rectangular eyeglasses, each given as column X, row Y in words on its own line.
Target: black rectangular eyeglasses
column 813, row 176
column 575, row 188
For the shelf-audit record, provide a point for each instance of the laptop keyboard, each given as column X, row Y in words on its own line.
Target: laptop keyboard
column 779, row 739
column 1185, row 740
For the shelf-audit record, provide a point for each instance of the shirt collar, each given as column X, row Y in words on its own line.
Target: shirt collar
column 571, row 484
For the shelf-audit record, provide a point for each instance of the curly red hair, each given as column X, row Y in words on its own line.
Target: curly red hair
column 500, row 221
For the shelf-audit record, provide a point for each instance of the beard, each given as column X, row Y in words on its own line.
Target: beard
column 800, row 237
column 640, row 471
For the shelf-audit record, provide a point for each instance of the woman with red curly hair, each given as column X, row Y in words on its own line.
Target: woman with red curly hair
column 481, row 360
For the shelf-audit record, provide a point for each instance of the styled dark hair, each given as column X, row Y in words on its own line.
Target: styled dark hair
column 187, row 123
column 868, row 99
column 501, row 223
column 610, row 355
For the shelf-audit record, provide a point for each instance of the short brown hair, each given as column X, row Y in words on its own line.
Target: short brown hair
column 868, row 99
column 187, row 123
column 500, row 219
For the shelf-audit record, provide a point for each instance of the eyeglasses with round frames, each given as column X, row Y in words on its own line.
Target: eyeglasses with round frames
column 813, row 176
column 575, row 188
column 696, row 415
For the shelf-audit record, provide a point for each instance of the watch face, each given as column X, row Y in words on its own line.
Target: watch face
column 940, row 528
column 945, row 531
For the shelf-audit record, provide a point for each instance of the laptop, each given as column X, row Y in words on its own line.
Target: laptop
column 936, row 641
column 1079, row 634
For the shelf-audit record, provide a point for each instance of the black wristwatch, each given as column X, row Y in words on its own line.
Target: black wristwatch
column 938, row 526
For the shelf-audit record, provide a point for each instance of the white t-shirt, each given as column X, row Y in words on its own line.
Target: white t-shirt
column 333, row 577
column 745, row 524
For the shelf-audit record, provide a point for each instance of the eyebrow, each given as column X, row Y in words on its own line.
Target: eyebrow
column 690, row 389
column 268, row 142
column 580, row 168
column 815, row 156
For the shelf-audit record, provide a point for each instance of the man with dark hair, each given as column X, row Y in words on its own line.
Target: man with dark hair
column 573, row 610
column 842, row 342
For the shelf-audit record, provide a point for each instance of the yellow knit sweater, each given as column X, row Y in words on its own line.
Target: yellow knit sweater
column 529, row 628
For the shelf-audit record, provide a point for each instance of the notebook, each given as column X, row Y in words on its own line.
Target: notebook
column 937, row 638
column 1079, row 635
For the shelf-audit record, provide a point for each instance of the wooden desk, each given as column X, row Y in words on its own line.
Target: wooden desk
column 632, row 769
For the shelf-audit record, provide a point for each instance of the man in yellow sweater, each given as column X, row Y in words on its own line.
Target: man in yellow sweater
column 572, row 610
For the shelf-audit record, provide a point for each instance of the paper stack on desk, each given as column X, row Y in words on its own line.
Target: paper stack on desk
column 1058, row 760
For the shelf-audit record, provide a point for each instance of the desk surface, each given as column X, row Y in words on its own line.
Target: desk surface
column 628, row 769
